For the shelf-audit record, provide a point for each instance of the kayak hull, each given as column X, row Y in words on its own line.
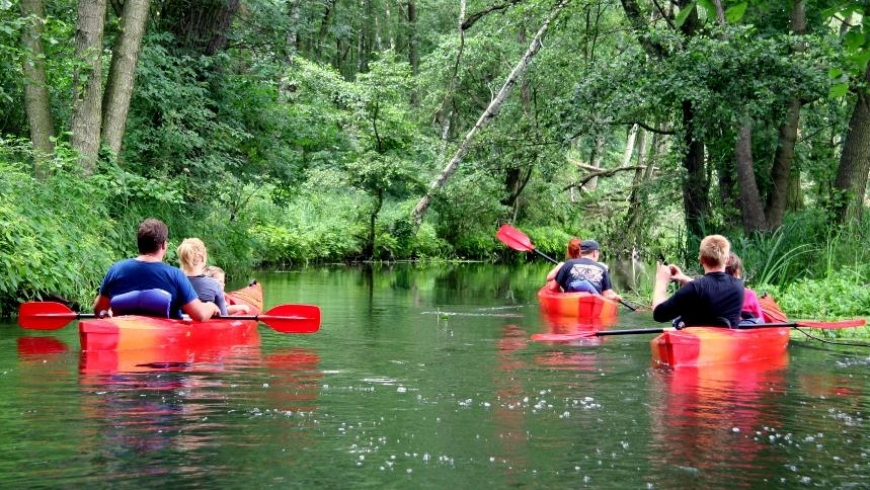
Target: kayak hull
column 130, row 332
column 577, row 305
column 704, row 346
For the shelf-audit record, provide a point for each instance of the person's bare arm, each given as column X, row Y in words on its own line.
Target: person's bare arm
column 101, row 303
column 552, row 274
column 611, row 294
column 678, row 275
column 660, row 289
column 238, row 309
column 200, row 311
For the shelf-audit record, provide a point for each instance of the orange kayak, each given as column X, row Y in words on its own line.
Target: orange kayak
column 703, row 346
column 579, row 305
column 143, row 333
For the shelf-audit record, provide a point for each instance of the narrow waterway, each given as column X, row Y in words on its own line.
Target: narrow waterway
column 424, row 376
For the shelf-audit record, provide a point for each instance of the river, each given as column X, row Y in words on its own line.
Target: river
column 424, row 376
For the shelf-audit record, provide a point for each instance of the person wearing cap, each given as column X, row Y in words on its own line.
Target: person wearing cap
column 715, row 299
column 582, row 271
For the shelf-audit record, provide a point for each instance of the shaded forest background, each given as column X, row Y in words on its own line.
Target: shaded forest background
column 291, row 132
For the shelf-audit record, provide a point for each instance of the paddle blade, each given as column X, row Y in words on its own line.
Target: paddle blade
column 858, row 322
column 514, row 238
column 44, row 315
column 292, row 318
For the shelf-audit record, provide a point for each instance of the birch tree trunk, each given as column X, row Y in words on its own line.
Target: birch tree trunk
column 490, row 112
column 37, row 101
column 122, row 73
column 87, row 82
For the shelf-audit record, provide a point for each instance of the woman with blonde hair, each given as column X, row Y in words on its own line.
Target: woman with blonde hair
column 192, row 257
column 715, row 299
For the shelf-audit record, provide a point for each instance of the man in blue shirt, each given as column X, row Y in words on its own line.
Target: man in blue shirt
column 148, row 271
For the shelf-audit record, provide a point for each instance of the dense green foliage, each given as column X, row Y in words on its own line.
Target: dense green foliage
column 306, row 132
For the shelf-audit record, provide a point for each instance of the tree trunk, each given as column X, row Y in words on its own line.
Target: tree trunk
column 595, row 157
column 750, row 202
column 490, row 112
column 413, row 43
column 293, row 32
column 87, row 82
column 854, row 164
column 633, row 215
column 201, row 25
column 695, row 185
column 122, row 73
column 37, row 101
column 785, row 148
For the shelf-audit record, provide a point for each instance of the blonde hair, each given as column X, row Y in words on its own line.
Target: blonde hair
column 714, row 251
column 213, row 271
column 192, row 255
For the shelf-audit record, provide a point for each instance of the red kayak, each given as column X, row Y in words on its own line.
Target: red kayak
column 578, row 305
column 703, row 346
column 143, row 333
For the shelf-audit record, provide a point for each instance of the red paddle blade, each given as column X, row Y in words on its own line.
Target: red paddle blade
column 44, row 315
column 292, row 318
column 858, row 322
column 514, row 238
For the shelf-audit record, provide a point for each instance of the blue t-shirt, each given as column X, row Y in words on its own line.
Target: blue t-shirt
column 135, row 275
column 210, row 291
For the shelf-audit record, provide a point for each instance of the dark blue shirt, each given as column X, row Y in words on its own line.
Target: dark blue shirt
column 704, row 301
column 583, row 269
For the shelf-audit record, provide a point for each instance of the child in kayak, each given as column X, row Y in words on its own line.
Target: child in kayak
column 582, row 271
column 219, row 276
column 192, row 257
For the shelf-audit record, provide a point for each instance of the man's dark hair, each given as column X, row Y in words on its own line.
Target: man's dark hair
column 151, row 235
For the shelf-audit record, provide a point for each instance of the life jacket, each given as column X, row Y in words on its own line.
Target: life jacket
column 147, row 302
column 581, row 286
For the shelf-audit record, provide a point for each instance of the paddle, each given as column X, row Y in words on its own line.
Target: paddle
column 556, row 337
column 289, row 318
column 519, row 241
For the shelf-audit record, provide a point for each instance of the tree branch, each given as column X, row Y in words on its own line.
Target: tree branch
column 479, row 15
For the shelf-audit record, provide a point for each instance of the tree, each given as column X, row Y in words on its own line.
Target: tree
column 36, row 97
column 490, row 112
column 122, row 74
column 87, row 85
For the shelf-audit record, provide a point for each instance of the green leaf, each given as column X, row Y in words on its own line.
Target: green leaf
column 853, row 40
column 838, row 90
column 684, row 13
column 735, row 13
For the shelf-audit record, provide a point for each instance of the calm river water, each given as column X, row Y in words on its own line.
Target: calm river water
column 424, row 376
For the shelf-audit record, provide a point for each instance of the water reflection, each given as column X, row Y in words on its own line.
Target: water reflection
column 170, row 411
column 713, row 420
column 38, row 348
